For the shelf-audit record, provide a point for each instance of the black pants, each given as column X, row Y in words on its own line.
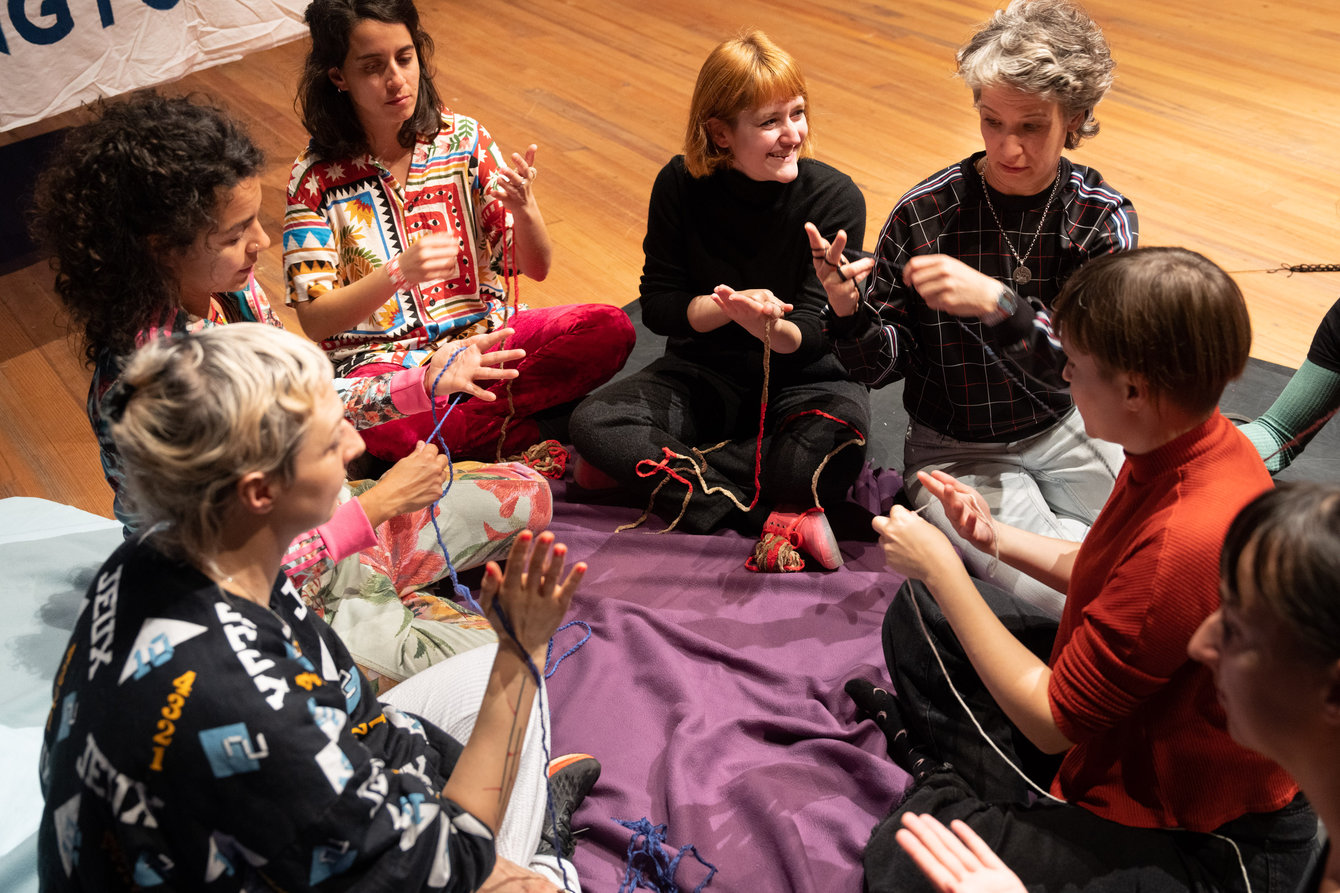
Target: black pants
column 1051, row 846
column 680, row 404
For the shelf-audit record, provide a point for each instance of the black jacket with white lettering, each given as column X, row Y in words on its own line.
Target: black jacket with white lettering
column 200, row 741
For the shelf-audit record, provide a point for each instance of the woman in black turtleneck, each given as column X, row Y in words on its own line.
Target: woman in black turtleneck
column 727, row 257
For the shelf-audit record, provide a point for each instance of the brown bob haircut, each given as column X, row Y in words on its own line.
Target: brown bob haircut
column 1168, row 315
column 741, row 73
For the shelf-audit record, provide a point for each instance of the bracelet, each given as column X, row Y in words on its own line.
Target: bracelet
column 398, row 281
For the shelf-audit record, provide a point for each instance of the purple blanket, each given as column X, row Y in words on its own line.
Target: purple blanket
column 713, row 698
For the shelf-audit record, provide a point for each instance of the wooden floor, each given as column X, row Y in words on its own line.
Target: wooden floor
column 1221, row 129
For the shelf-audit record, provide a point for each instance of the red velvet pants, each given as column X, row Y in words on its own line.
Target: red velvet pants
column 569, row 351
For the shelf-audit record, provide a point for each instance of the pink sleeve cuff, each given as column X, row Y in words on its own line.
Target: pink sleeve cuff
column 408, row 393
column 348, row 532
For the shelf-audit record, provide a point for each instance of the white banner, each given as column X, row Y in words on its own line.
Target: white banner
column 57, row 54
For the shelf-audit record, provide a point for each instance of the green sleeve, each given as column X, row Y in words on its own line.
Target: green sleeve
column 1311, row 394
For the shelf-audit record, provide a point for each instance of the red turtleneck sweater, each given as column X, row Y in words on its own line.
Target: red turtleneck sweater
column 1151, row 745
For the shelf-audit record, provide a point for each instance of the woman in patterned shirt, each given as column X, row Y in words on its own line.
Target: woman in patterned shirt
column 403, row 223
column 151, row 214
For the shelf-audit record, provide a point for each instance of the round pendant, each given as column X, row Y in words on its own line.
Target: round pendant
column 1022, row 275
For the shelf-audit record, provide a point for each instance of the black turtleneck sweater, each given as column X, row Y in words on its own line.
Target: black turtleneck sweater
column 728, row 229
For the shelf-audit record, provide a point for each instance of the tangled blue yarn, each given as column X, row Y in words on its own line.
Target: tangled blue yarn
column 469, row 598
column 648, row 843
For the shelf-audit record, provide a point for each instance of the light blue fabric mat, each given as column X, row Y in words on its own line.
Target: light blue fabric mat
column 48, row 554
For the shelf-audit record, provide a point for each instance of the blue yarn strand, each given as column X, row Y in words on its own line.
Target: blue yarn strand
column 544, row 739
column 660, row 875
column 436, row 436
column 550, row 670
column 465, row 593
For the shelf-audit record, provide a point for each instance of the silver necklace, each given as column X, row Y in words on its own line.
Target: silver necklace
column 229, row 586
column 1022, row 274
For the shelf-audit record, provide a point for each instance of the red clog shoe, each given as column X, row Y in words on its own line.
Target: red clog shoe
column 809, row 532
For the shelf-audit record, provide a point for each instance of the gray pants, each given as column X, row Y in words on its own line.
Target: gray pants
column 1053, row 483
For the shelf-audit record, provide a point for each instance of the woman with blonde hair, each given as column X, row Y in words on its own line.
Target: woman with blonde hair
column 207, row 730
column 727, row 277
column 151, row 212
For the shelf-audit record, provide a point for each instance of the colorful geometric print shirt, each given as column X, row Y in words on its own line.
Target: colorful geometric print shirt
column 200, row 741
column 347, row 217
column 980, row 379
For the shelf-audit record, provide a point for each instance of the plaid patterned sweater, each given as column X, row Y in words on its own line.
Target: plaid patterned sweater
column 964, row 377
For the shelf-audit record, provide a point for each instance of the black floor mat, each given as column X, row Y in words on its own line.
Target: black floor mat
column 1249, row 396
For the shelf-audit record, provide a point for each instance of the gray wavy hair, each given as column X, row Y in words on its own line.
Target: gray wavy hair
column 1047, row 48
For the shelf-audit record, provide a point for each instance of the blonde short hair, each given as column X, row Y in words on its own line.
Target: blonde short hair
column 192, row 413
column 742, row 73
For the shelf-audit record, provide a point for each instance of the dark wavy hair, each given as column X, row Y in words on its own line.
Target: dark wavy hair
column 142, row 179
column 327, row 113
column 1292, row 535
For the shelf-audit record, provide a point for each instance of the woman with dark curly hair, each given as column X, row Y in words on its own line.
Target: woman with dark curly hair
column 969, row 264
column 151, row 214
column 403, row 223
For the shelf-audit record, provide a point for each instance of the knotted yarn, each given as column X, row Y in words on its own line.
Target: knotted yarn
column 774, row 554
column 650, row 867
column 547, row 457
column 649, row 467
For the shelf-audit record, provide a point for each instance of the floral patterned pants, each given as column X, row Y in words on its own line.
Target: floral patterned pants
column 391, row 603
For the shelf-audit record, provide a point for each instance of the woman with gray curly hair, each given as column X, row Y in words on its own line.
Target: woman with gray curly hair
column 963, row 280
